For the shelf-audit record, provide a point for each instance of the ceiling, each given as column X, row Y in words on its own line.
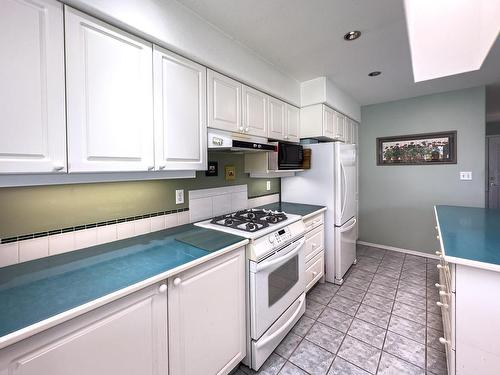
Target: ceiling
column 304, row 39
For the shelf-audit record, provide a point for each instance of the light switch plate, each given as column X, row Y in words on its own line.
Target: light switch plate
column 268, row 185
column 179, row 196
column 466, row 176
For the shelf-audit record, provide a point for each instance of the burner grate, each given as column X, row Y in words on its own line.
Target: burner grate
column 250, row 220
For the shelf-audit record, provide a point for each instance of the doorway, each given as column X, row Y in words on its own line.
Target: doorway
column 493, row 180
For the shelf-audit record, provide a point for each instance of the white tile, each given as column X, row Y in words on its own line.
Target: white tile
column 239, row 201
column 33, row 249
column 261, row 201
column 157, row 223
column 142, row 226
column 183, row 217
column 200, row 209
column 9, row 254
column 171, row 220
column 61, row 243
column 85, row 238
column 106, row 233
column 221, row 204
column 125, row 230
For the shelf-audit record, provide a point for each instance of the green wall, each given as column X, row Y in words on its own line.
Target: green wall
column 25, row 210
column 396, row 202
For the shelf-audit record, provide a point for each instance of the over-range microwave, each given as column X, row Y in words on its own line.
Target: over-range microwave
column 288, row 156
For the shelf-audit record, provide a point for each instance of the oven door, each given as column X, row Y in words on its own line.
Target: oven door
column 275, row 283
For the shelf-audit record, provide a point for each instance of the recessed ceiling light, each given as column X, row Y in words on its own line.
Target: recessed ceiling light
column 375, row 73
column 351, row 35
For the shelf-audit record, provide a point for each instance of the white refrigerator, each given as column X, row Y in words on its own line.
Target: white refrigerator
column 331, row 182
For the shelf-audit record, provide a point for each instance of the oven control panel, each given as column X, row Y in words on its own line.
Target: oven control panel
column 280, row 236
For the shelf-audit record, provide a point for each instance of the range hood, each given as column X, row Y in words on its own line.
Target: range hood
column 219, row 140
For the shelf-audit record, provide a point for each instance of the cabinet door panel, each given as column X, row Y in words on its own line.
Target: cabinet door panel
column 180, row 112
column 339, row 126
column 110, row 100
column 328, row 122
column 206, row 317
column 292, row 123
column 277, row 120
column 126, row 337
column 33, row 126
column 254, row 112
column 224, row 102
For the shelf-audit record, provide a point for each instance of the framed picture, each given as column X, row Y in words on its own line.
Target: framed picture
column 418, row 149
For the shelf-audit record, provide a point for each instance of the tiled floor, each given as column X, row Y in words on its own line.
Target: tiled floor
column 383, row 320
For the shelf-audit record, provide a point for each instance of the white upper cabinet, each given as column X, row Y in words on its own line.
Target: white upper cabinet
column 254, row 107
column 224, row 102
column 109, row 97
column 348, row 127
column 339, row 126
column 292, row 123
column 277, row 119
column 180, row 112
column 32, row 129
column 328, row 122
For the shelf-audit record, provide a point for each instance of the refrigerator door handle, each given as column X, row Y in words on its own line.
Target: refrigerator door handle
column 344, row 177
column 342, row 230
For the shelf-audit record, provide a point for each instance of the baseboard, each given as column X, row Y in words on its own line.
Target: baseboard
column 399, row 250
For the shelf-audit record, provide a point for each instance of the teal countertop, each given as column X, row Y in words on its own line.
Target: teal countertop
column 293, row 208
column 470, row 236
column 33, row 291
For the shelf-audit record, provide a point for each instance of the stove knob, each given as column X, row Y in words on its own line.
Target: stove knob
column 271, row 238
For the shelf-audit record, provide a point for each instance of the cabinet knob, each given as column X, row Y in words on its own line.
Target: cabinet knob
column 247, row 129
column 438, row 237
column 313, row 245
column 177, row 281
column 162, row 288
column 437, row 285
column 162, row 166
column 443, row 305
column 440, row 266
column 241, row 128
column 443, row 293
column 443, row 341
column 58, row 167
column 436, row 227
column 438, row 253
column 315, row 274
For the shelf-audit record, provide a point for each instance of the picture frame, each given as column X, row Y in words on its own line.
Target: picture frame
column 418, row 149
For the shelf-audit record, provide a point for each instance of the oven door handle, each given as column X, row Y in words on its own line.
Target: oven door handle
column 296, row 248
column 285, row 326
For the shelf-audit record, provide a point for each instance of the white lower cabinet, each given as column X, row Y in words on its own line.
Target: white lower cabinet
column 126, row 337
column 314, row 249
column 206, row 317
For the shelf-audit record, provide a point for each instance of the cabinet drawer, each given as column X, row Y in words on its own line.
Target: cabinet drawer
column 315, row 241
column 314, row 221
column 314, row 270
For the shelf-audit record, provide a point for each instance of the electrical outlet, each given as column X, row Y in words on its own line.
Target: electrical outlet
column 467, row 176
column 268, row 185
column 179, row 196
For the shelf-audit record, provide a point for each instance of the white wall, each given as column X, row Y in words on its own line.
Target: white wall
column 173, row 26
column 322, row 90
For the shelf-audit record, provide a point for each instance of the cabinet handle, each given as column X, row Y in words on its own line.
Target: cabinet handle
column 241, row 128
column 58, row 167
column 438, row 252
column 162, row 166
column 162, row 288
column 443, row 341
column 247, row 129
column 150, row 168
column 313, row 245
column 443, row 305
column 177, row 281
column 439, row 286
column 443, row 293
column 314, row 274
column 440, row 266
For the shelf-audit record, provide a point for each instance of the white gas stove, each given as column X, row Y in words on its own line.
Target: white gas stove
column 268, row 230
column 275, row 274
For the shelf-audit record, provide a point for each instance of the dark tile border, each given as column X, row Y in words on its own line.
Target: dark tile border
column 88, row 226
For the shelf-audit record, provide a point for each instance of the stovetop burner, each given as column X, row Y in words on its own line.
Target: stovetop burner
column 250, row 220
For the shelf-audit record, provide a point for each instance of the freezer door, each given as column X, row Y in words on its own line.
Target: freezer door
column 345, row 248
column 345, row 183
